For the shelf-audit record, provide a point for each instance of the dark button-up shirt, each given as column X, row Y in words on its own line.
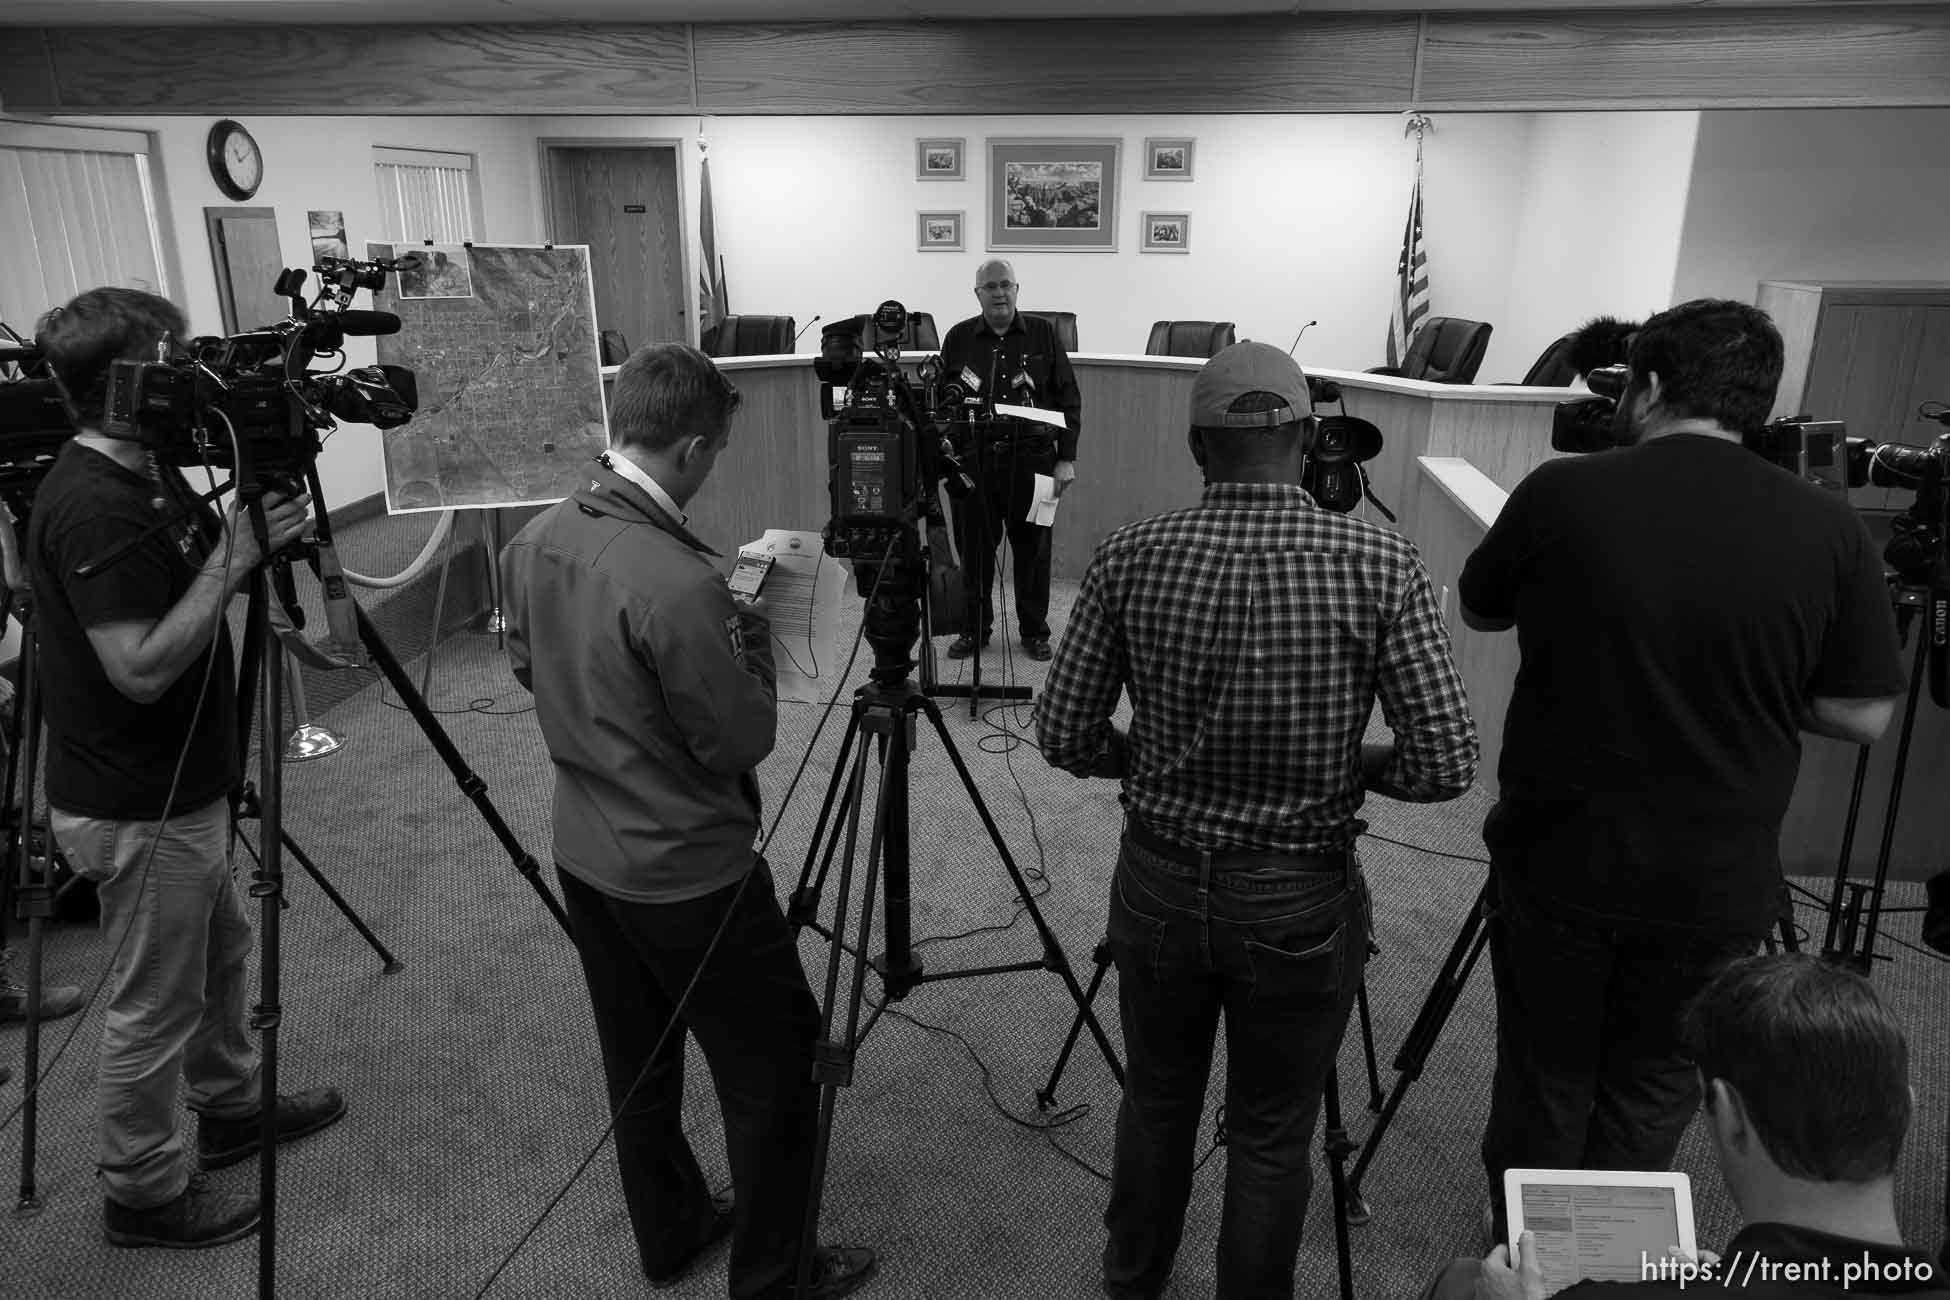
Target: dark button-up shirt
column 1254, row 633
column 1028, row 347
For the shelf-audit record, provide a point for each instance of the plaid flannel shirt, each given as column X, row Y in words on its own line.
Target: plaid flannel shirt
column 1254, row 633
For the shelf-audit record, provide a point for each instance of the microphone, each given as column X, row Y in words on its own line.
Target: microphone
column 1296, row 338
column 802, row 329
column 362, row 324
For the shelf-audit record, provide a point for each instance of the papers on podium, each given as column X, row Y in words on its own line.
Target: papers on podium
column 803, row 594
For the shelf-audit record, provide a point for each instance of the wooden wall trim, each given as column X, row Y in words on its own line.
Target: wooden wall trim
column 558, row 68
column 1232, row 65
column 1884, row 57
column 1676, row 57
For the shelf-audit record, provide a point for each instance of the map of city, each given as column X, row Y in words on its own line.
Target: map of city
column 511, row 390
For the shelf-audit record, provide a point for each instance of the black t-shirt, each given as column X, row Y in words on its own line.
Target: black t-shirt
column 1677, row 603
column 1028, row 348
column 108, row 755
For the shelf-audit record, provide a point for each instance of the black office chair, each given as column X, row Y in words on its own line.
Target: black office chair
column 1066, row 326
column 921, row 335
column 1189, row 338
column 1554, row 369
column 614, row 350
column 750, row 336
column 1446, row 350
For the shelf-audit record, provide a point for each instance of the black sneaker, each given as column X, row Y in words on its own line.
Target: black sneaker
column 840, row 1270
column 1037, row 648
column 224, row 1142
column 201, row 1216
column 721, row 1207
column 963, row 646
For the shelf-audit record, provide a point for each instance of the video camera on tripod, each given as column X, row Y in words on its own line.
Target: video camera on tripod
column 886, row 453
column 259, row 386
column 1343, row 444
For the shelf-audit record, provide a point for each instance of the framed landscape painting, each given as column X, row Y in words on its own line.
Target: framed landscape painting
column 938, row 160
column 1053, row 195
column 1168, row 158
column 1166, row 232
column 938, row 232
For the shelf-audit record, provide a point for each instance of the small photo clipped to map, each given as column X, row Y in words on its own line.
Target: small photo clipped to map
column 445, row 271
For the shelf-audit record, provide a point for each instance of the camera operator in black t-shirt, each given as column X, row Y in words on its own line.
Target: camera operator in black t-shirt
column 1685, row 609
column 142, row 754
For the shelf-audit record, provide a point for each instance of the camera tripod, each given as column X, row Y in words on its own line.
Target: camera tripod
column 981, row 437
column 880, row 734
column 263, row 669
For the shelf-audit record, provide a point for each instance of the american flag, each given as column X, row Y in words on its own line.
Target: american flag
column 711, row 305
column 1411, row 304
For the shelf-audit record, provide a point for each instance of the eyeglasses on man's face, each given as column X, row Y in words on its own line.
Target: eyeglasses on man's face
column 997, row 286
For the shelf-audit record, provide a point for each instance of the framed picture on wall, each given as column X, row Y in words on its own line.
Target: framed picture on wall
column 1168, row 158
column 939, row 232
column 1053, row 195
column 938, row 160
column 1166, row 232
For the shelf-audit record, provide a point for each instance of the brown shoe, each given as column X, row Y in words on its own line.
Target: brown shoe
column 224, row 1142
column 1037, row 648
column 201, row 1216
column 963, row 646
column 57, row 1000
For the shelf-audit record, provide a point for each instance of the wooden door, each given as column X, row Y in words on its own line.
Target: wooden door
column 623, row 203
column 245, row 254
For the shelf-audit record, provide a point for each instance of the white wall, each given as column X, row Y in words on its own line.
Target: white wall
column 1816, row 194
column 1294, row 218
column 1599, row 230
column 326, row 163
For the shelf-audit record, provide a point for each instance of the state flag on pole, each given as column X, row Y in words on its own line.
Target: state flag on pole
column 711, row 304
column 1411, row 304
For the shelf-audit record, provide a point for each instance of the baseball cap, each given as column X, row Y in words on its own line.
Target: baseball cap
column 1249, row 368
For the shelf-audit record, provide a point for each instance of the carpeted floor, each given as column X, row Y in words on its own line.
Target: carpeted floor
column 475, row 1092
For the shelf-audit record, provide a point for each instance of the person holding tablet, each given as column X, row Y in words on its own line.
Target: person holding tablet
column 1805, row 1075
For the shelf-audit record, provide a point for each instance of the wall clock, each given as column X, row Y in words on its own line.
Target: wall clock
column 236, row 163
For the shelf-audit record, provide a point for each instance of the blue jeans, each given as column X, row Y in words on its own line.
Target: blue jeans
column 176, row 994
column 1276, row 944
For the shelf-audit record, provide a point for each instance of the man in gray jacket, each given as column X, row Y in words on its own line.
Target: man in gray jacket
column 654, row 690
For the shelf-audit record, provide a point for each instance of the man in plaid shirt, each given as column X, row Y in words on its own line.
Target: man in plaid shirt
column 1254, row 632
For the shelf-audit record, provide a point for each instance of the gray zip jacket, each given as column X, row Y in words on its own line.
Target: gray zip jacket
column 654, row 690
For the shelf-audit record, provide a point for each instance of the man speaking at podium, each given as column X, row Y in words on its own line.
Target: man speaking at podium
column 1004, row 356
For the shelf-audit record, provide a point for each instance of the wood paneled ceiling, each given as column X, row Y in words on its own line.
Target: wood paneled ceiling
column 192, row 13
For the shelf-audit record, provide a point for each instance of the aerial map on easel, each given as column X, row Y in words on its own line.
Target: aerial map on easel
column 502, row 339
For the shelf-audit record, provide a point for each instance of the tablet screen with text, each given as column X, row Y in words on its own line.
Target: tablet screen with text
column 1605, row 1232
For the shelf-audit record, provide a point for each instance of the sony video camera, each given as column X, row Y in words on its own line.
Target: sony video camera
column 1342, row 444
column 1817, row 450
column 885, row 455
column 252, row 401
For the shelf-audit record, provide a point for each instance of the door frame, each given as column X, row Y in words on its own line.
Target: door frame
column 547, row 145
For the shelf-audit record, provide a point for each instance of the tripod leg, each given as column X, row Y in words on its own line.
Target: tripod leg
column 804, row 907
column 1053, row 955
column 1335, row 1148
column 34, row 902
column 470, row 783
column 1367, row 1044
column 1414, row 1055
column 833, row 1057
column 1101, row 956
column 391, row 965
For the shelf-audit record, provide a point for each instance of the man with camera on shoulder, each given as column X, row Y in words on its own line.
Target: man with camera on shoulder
column 1685, row 609
column 1005, row 356
column 142, row 758
column 1254, row 632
